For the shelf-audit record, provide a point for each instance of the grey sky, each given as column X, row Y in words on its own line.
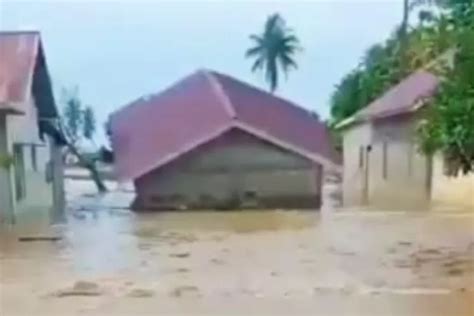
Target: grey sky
column 116, row 51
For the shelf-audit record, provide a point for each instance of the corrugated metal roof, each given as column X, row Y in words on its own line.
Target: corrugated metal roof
column 404, row 96
column 401, row 98
column 153, row 131
column 18, row 53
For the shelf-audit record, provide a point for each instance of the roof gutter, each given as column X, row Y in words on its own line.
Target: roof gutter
column 346, row 122
column 12, row 108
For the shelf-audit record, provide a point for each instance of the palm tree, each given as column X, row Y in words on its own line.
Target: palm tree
column 274, row 50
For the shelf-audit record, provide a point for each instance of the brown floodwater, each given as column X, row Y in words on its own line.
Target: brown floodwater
column 110, row 261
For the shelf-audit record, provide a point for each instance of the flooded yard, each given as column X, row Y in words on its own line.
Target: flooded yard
column 110, row 261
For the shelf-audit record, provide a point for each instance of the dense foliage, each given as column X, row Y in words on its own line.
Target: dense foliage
column 386, row 64
column 274, row 50
column 442, row 25
column 449, row 127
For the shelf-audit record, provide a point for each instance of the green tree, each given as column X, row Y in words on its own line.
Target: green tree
column 386, row 64
column 273, row 50
column 71, row 123
column 89, row 123
column 449, row 127
column 72, row 114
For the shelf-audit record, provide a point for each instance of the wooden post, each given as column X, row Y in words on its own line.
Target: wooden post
column 57, row 177
column 7, row 204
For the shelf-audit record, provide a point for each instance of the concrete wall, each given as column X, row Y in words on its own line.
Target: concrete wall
column 405, row 180
column 453, row 192
column 236, row 170
column 6, row 189
column 355, row 142
column 393, row 174
column 22, row 130
column 410, row 180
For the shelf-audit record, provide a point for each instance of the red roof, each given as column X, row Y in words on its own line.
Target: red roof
column 155, row 130
column 405, row 97
column 18, row 53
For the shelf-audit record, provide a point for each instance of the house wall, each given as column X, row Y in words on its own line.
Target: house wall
column 236, row 170
column 453, row 192
column 382, row 166
column 355, row 142
column 409, row 179
column 404, row 180
column 22, row 131
column 6, row 193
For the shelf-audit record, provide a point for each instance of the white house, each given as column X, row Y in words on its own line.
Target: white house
column 31, row 176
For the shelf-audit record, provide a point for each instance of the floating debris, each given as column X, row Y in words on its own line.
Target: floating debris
column 141, row 293
column 180, row 255
column 185, row 290
column 217, row 261
column 80, row 288
column 39, row 238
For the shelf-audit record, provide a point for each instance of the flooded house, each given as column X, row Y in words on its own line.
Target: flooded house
column 382, row 163
column 30, row 145
column 211, row 141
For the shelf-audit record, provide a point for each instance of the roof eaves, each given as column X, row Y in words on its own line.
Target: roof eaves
column 13, row 108
column 175, row 155
column 347, row 122
column 18, row 32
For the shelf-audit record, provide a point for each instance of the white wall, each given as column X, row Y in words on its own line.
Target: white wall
column 6, row 193
column 405, row 183
column 355, row 138
column 23, row 130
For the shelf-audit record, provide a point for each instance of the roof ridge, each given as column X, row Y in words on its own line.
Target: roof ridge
column 396, row 86
column 263, row 91
column 363, row 112
column 220, row 92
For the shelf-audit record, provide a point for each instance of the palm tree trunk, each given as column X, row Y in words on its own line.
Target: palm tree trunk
column 403, row 35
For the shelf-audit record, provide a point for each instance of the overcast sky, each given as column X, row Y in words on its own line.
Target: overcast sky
column 117, row 51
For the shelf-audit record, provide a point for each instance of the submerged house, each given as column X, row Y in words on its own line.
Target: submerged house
column 30, row 145
column 212, row 141
column 382, row 164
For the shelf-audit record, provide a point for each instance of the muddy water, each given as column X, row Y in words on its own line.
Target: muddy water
column 112, row 262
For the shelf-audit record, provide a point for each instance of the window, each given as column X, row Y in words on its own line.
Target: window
column 20, row 177
column 250, row 195
column 384, row 159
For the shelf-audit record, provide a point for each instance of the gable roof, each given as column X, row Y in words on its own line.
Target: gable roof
column 22, row 69
column 154, row 130
column 405, row 97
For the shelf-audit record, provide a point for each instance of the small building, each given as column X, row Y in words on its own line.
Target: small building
column 30, row 145
column 213, row 142
column 382, row 164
